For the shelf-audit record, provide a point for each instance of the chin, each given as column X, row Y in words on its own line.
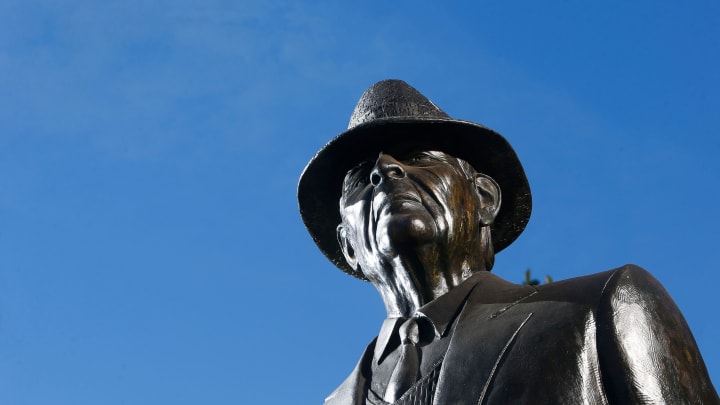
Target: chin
column 401, row 231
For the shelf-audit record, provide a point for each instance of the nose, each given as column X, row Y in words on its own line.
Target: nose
column 386, row 167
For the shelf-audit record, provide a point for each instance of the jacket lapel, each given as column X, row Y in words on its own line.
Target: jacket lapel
column 484, row 332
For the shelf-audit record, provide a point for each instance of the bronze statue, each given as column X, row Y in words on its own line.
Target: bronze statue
column 425, row 201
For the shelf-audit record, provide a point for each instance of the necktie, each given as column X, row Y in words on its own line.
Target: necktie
column 406, row 371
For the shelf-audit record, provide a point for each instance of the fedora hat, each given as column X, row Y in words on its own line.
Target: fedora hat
column 390, row 116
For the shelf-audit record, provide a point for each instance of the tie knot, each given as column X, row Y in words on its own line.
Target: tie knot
column 409, row 332
column 416, row 330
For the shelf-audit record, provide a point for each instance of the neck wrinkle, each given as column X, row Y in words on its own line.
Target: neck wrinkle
column 403, row 295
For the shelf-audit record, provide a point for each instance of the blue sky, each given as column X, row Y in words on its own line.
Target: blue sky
column 150, row 245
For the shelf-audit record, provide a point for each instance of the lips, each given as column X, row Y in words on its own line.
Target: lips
column 404, row 197
column 383, row 199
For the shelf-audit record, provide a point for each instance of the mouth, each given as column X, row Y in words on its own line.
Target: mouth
column 406, row 196
column 384, row 200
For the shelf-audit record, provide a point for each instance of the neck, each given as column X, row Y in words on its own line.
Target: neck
column 409, row 282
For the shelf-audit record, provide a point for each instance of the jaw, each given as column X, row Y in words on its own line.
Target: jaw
column 415, row 274
column 406, row 251
column 409, row 278
column 400, row 288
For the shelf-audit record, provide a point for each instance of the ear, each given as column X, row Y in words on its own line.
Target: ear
column 490, row 198
column 346, row 246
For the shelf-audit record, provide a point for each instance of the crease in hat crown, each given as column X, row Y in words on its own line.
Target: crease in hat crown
column 393, row 99
column 392, row 113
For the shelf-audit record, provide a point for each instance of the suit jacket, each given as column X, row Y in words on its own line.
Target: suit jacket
column 609, row 338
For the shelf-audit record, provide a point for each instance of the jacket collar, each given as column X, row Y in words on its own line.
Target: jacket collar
column 440, row 312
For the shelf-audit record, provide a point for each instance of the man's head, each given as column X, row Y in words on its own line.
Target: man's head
column 425, row 206
column 394, row 119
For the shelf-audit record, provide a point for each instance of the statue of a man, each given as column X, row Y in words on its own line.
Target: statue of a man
column 425, row 202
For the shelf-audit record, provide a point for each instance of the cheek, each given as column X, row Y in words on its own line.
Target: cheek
column 354, row 214
column 355, row 219
column 452, row 195
column 462, row 207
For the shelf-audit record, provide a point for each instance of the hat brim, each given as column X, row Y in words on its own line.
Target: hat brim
column 320, row 185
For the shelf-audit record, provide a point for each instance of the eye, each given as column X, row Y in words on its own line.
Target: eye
column 357, row 177
column 422, row 159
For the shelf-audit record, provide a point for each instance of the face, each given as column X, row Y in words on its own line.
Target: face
column 397, row 205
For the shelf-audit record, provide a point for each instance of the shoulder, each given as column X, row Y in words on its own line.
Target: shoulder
column 627, row 272
column 645, row 345
column 631, row 275
column 594, row 288
column 631, row 287
column 646, row 350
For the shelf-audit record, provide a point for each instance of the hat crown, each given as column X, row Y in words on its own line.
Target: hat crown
column 393, row 99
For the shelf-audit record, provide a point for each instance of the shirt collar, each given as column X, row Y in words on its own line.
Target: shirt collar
column 440, row 312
